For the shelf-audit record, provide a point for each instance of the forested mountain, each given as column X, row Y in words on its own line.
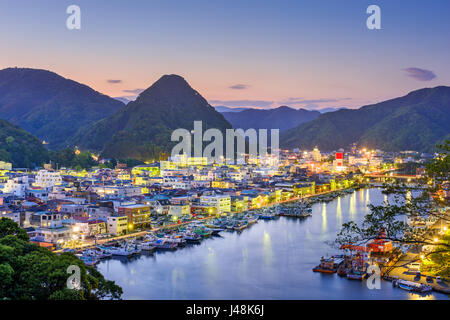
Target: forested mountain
column 282, row 118
column 49, row 106
column 416, row 121
column 19, row 147
column 142, row 129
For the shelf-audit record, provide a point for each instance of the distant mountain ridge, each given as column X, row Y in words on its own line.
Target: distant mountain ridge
column 223, row 109
column 142, row 130
column 282, row 118
column 416, row 121
column 49, row 106
column 331, row 109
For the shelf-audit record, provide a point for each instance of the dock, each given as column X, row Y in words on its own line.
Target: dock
column 400, row 270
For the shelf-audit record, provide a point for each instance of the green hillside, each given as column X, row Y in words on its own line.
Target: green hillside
column 143, row 128
column 49, row 106
column 19, row 147
column 416, row 121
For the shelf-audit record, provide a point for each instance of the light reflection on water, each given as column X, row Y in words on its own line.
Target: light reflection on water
column 353, row 205
column 267, row 249
column 338, row 213
column 269, row 260
column 324, row 217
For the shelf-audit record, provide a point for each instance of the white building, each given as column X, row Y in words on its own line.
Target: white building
column 317, row 156
column 49, row 227
column 117, row 191
column 221, row 202
column 176, row 183
column 17, row 186
column 179, row 210
column 47, row 179
column 117, row 225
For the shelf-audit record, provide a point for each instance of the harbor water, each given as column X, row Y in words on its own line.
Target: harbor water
column 269, row 260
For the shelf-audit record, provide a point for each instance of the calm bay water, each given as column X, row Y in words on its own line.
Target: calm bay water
column 269, row 260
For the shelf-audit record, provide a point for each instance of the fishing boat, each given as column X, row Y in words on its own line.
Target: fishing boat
column 176, row 239
column 266, row 216
column 123, row 251
column 162, row 244
column 342, row 271
column 353, row 274
column 251, row 220
column 202, row 231
column 240, row 226
column 411, row 286
column 214, row 229
column 328, row 265
column 146, row 246
column 98, row 254
column 192, row 237
column 89, row 260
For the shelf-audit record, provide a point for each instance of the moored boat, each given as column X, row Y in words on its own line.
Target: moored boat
column 328, row 265
column 162, row 244
column 89, row 260
column 124, row 250
column 411, row 286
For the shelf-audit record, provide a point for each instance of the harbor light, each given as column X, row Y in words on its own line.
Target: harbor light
column 436, row 239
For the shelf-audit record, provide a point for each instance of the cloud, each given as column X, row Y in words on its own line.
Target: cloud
column 242, row 103
column 114, row 81
column 134, row 91
column 239, row 87
column 420, row 74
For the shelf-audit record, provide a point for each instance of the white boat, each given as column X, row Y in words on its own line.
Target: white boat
column 178, row 240
column 99, row 254
column 124, row 251
column 88, row 260
column 411, row 286
column 146, row 246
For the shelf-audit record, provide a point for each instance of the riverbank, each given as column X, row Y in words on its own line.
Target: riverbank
column 90, row 243
column 269, row 260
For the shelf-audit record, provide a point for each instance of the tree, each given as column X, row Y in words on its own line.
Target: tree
column 68, row 158
column 9, row 140
column 427, row 203
column 30, row 272
column 9, row 227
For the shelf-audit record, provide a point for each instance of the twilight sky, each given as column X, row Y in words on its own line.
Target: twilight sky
column 258, row 53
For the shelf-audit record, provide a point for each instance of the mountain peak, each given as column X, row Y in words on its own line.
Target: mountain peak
column 284, row 108
column 170, row 103
column 169, row 84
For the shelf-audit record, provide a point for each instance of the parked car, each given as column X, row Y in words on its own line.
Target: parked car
column 418, row 276
column 430, row 279
column 438, row 279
